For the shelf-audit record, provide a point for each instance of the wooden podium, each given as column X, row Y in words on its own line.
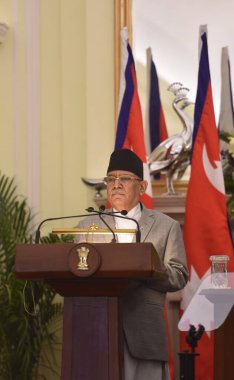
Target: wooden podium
column 223, row 335
column 224, row 349
column 91, row 277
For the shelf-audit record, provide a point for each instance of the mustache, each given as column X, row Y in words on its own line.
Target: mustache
column 116, row 192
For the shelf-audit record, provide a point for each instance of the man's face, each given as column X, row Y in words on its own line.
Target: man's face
column 124, row 189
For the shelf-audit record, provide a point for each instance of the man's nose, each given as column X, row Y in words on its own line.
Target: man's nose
column 117, row 182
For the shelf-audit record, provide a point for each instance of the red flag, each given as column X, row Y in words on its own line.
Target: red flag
column 206, row 229
column 156, row 131
column 130, row 131
column 157, row 124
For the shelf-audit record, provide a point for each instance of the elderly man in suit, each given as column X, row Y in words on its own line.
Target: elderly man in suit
column 142, row 305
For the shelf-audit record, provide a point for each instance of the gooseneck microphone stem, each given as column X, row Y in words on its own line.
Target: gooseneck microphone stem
column 91, row 209
column 109, row 228
column 138, row 232
column 114, row 214
column 38, row 232
column 93, row 212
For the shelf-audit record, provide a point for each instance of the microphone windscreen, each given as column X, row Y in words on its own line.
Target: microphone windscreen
column 89, row 209
column 123, row 212
column 102, row 208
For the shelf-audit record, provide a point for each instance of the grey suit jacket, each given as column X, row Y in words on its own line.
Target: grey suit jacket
column 142, row 305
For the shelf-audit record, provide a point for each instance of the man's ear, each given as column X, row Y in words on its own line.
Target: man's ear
column 143, row 187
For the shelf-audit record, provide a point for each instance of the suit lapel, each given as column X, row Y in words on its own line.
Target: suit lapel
column 146, row 222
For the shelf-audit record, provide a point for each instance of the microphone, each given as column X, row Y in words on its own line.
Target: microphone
column 102, row 209
column 124, row 212
column 123, row 216
column 100, row 213
column 38, row 231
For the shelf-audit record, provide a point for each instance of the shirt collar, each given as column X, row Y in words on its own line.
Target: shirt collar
column 135, row 212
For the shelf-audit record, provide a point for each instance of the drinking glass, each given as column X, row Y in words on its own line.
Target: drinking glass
column 219, row 276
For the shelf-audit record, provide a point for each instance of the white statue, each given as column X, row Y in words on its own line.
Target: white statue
column 173, row 154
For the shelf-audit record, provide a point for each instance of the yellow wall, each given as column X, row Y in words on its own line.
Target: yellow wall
column 73, row 100
column 56, row 101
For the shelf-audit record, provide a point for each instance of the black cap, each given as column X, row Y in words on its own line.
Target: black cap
column 126, row 159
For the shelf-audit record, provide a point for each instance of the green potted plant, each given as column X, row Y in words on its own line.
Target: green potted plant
column 30, row 313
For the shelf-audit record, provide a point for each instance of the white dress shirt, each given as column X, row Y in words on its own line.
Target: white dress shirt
column 121, row 223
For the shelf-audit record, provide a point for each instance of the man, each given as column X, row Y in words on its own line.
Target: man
column 142, row 305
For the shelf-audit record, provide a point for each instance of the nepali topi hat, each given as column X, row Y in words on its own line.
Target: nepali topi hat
column 126, row 159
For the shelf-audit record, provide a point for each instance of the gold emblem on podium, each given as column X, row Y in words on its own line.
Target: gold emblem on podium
column 84, row 259
column 82, row 253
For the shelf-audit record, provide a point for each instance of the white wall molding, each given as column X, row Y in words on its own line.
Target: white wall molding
column 16, row 92
column 33, row 103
